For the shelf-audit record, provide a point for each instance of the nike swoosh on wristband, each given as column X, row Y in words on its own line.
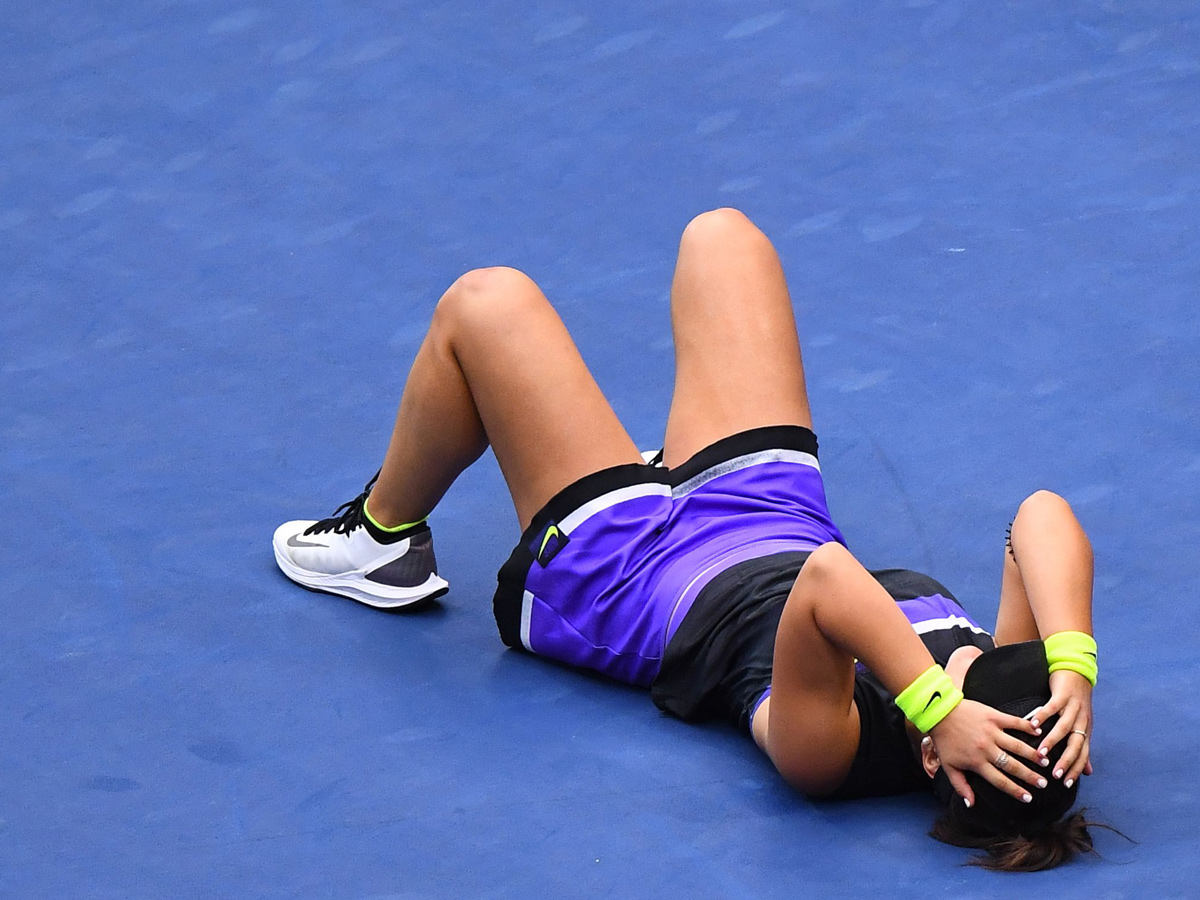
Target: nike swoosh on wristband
column 937, row 695
column 294, row 541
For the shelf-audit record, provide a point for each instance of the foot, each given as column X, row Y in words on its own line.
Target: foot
column 348, row 555
column 652, row 457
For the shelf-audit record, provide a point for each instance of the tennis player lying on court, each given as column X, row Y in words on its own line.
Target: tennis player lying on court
column 717, row 578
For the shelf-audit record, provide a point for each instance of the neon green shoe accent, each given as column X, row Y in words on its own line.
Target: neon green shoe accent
column 552, row 531
column 394, row 528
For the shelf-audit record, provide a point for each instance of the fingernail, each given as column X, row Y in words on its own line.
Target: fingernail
column 1058, row 774
column 968, row 802
column 1037, row 731
column 1026, row 798
column 1035, row 723
column 1042, row 782
column 1069, row 782
column 1044, row 761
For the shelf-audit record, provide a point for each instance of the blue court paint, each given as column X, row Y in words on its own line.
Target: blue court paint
column 222, row 228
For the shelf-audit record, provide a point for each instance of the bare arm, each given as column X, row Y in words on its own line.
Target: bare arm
column 835, row 613
column 1047, row 588
column 1047, row 584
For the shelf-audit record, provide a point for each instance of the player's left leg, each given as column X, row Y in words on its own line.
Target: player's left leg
column 737, row 356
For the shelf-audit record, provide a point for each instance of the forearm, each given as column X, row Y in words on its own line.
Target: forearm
column 1054, row 560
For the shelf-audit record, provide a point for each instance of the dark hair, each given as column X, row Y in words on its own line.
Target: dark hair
column 996, row 813
column 1025, row 851
column 1018, row 837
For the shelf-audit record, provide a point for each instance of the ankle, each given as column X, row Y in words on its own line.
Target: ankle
column 385, row 519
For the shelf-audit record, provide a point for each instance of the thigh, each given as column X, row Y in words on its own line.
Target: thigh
column 545, row 417
column 737, row 356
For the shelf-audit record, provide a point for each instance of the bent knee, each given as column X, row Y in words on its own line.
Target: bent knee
column 488, row 294
column 492, row 281
column 721, row 226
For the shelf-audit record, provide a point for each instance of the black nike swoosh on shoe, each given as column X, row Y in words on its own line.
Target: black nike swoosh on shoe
column 294, row 541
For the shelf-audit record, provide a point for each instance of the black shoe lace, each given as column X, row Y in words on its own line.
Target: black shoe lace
column 346, row 517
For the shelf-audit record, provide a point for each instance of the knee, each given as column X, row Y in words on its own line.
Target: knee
column 496, row 293
column 490, row 286
column 721, row 227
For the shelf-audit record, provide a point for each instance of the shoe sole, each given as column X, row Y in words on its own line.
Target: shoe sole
column 380, row 596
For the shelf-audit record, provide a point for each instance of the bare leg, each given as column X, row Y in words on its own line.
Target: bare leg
column 737, row 367
column 737, row 357
column 498, row 367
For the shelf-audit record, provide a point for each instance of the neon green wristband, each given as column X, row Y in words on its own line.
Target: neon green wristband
column 929, row 699
column 1074, row 651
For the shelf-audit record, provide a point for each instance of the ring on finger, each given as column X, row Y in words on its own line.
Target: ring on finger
column 1077, row 731
column 1002, row 760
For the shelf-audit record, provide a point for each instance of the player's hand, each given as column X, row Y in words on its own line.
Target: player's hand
column 972, row 738
column 1071, row 699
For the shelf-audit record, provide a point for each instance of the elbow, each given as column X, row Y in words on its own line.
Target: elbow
column 812, row 778
column 1047, row 512
column 1045, row 507
column 1044, row 500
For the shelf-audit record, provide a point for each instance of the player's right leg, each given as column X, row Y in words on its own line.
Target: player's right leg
column 497, row 367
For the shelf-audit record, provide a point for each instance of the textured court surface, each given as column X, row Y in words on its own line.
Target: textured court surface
column 222, row 228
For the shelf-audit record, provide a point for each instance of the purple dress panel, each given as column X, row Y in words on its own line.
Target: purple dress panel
column 634, row 559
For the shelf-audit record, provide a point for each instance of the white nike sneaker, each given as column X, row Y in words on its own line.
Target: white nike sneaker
column 347, row 554
column 653, row 458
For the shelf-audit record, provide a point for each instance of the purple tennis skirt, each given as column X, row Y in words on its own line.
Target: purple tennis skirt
column 607, row 570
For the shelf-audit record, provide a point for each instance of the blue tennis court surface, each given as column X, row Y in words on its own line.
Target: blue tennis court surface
column 222, row 230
